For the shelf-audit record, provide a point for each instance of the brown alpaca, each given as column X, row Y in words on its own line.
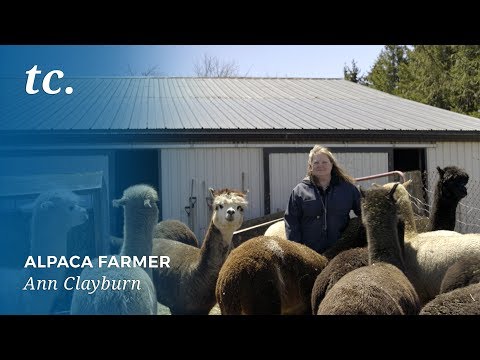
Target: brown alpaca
column 462, row 301
column 268, row 275
column 463, row 272
column 188, row 286
column 381, row 288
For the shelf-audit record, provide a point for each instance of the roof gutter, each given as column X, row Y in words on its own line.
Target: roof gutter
column 145, row 137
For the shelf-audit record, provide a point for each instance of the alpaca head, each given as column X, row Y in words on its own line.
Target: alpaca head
column 228, row 207
column 59, row 207
column 139, row 198
column 453, row 182
column 379, row 205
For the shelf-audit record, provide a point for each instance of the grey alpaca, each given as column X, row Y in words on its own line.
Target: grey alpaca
column 140, row 215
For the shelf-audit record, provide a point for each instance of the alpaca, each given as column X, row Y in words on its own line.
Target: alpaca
column 188, row 285
column 428, row 255
column 268, row 275
column 54, row 214
column 140, row 215
column 449, row 190
column 464, row 272
column 381, row 288
column 462, row 301
column 353, row 258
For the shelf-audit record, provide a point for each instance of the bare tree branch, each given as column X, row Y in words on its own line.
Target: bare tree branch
column 211, row 66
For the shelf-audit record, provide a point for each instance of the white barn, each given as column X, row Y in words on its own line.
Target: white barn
column 184, row 135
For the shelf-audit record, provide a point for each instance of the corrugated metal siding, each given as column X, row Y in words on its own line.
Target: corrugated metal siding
column 288, row 169
column 222, row 103
column 209, row 167
column 467, row 156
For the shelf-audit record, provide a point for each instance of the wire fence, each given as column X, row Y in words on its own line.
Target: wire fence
column 468, row 210
column 422, row 195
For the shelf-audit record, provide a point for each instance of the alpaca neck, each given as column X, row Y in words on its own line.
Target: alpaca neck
column 138, row 233
column 406, row 211
column 443, row 214
column 383, row 243
column 215, row 249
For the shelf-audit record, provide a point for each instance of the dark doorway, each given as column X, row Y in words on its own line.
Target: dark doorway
column 409, row 159
column 132, row 167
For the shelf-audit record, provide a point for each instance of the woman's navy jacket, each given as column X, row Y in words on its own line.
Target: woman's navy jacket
column 317, row 218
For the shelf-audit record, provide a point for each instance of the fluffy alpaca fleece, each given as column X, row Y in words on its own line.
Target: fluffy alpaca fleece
column 429, row 255
column 268, row 275
column 462, row 301
column 188, row 286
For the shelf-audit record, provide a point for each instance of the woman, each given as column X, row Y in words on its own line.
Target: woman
column 319, row 206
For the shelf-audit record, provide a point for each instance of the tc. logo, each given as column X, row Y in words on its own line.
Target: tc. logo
column 45, row 83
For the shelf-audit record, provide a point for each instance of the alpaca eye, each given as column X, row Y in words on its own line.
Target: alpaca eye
column 239, row 208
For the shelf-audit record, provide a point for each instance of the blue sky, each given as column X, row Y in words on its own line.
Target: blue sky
column 324, row 61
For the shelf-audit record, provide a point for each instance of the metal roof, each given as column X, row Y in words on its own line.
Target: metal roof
column 248, row 105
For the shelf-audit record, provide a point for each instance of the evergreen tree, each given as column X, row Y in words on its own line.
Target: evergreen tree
column 445, row 76
column 384, row 74
column 352, row 74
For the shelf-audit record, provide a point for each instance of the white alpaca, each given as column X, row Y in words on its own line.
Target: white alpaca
column 428, row 255
column 141, row 215
column 54, row 213
column 188, row 286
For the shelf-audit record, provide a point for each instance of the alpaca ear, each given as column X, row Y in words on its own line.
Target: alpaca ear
column 392, row 192
column 147, row 203
column 118, row 202
column 407, row 183
column 440, row 171
column 212, row 191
